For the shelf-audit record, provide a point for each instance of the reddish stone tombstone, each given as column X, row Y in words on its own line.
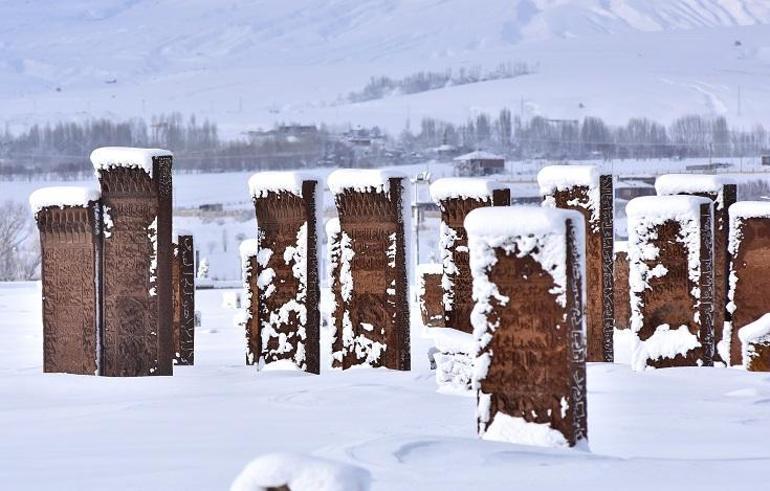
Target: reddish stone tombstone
column 530, row 375
column 581, row 188
column 723, row 192
column 622, row 299
column 456, row 197
column 184, row 301
column 248, row 250
column 287, row 269
column 334, row 251
column 68, row 219
column 670, row 253
column 372, row 272
column 137, row 293
column 749, row 271
column 430, row 294
column 755, row 345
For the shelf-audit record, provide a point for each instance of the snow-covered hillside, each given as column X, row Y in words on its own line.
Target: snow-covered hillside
column 249, row 63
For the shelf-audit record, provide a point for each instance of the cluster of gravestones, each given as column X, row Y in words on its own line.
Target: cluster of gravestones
column 118, row 296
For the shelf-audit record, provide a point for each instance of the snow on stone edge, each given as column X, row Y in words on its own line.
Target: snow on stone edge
column 300, row 473
column 562, row 177
column 361, row 180
column 671, row 184
column 464, row 188
column 757, row 331
column 137, row 158
column 62, row 196
column 262, row 183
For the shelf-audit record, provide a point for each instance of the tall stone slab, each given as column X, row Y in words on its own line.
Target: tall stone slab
column 749, row 285
column 69, row 221
column 622, row 298
column 137, row 302
column 671, row 269
column 287, row 269
column 250, row 320
column 373, row 321
column 183, row 268
column 456, row 197
column 723, row 191
column 528, row 270
column 582, row 188
column 430, row 294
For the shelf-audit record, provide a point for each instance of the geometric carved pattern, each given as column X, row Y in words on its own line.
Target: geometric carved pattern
column 70, row 247
column 184, row 301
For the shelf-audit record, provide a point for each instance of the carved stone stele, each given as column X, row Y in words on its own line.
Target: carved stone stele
column 70, row 249
column 184, row 301
column 622, row 299
column 529, row 373
column 137, row 300
column 430, row 294
column 371, row 287
column 251, row 301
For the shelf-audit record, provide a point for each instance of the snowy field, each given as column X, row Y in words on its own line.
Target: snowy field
column 688, row 428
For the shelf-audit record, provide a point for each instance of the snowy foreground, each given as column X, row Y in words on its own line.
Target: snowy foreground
column 705, row 428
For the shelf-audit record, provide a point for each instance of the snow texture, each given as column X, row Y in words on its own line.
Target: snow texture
column 555, row 178
column 456, row 351
column 645, row 215
column 757, row 332
column 362, row 180
column 61, row 196
column 673, row 184
column 464, row 188
column 540, row 233
column 505, row 428
column 262, row 183
column 300, row 472
column 136, row 158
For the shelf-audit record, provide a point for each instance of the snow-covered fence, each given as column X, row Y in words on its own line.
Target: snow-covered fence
column 372, row 323
column 430, row 294
column 69, row 221
column 749, row 279
column 581, row 188
column 137, row 293
column 456, row 197
column 249, row 317
column 671, row 277
column 288, row 206
column 622, row 304
column 183, row 274
column 723, row 191
column 528, row 270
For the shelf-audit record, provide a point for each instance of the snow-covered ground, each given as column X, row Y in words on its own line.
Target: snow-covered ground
column 673, row 429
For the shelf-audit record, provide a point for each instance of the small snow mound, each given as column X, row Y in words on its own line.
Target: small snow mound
column 562, row 177
column 361, row 180
column 262, row 183
column 248, row 249
column 332, row 227
column 62, row 196
column 505, row 428
column 136, row 158
column 430, row 268
column 672, row 184
column 449, row 340
column 464, row 188
column 666, row 207
column 300, row 473
column 620, row 246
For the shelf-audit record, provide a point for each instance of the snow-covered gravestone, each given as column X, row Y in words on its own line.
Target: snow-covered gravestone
column 250, row 319
column 671, row 277
column 723, row 192
column 456, row 197
column 749, row 279
column 581, row 188
column 287, row 205
column 528, row 271
column 430, row 295
column 137, row 288
column 372, row 316
column 622, row 304
column 68, row 219
column 183, row 274
column 755, row 345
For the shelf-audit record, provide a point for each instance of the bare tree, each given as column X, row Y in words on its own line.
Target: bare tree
column 19, row 254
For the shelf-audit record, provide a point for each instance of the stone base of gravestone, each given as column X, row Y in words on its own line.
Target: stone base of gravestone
column 622, row 299
column 430, row 294
column 530, row 367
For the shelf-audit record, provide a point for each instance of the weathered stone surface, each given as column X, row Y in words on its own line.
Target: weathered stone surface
column 755, row 345
column 71, row 248
column 137, row 301
column 430, row 294
column 248, row 252
column 671, row 263
column 594, row 201
column 456, row 282
column 373, row 321
column 749, row 270
column 622, row 299
column 289, row 320
column 529, row 325
column 184, row 301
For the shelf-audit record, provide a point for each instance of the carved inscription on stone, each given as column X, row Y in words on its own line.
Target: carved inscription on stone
column 622, row 299
column 253, row 342
column 377, row 311
column 431, row 299
column 457, row 281
column 184, row 285
column 537, row 368
column 70, row 253
column 600, row 315
column 751, row 266
column 288, row 305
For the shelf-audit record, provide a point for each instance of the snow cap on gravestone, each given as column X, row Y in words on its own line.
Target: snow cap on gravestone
column 61, row 196
column 464, row 188
column 130, row 157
